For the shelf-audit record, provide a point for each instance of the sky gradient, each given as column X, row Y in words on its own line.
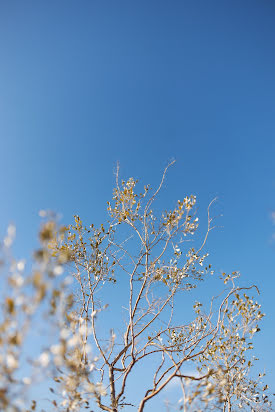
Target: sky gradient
column 86, row 84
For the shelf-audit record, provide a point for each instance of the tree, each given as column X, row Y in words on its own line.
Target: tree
column 144, row 258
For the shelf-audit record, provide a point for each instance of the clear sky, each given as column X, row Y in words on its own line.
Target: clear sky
column 84, row 84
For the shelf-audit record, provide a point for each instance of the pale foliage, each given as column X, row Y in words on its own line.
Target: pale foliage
column 145, row 260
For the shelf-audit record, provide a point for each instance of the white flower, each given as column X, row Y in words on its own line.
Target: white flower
column 101, row 390
column 92, row 366
column 44, row 359
column 42, row 213
column 83, row 329
column 65, row 402
column 56, row 349
column 11, row 230
column 73, row 341
column 58, row 270
column 21, row 265
column 7, row 241
column 65, row 333
column 89, row 387
column 58, row 361
column 18, row 280
column 88, row 348
column 11, row 361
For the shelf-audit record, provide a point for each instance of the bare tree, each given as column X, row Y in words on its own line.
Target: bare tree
column 145, row 259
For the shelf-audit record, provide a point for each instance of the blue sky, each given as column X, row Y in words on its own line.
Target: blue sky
column 86, row 84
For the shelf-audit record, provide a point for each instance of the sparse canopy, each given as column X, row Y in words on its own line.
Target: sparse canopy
column 144, row 258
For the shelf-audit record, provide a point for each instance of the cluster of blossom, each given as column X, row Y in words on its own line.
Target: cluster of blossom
column 30, row 293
